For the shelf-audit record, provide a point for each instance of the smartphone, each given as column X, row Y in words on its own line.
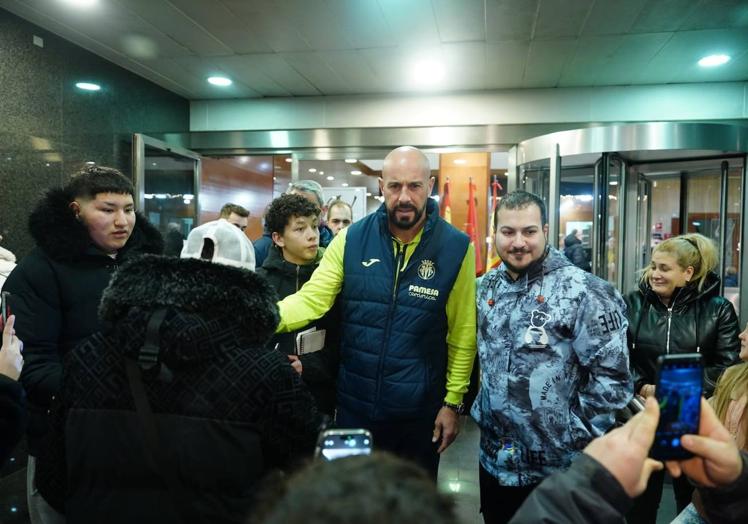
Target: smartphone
column 4, row 306
column 678, row 391
column 338, row 443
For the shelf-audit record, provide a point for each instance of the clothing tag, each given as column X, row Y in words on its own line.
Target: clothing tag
column 310, row 341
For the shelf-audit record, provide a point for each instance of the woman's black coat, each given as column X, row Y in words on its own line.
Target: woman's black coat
column 697, row 322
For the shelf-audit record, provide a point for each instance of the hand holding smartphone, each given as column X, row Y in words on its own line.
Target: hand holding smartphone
column 678, row 392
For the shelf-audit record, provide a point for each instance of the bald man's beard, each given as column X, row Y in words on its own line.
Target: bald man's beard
column 402, row 223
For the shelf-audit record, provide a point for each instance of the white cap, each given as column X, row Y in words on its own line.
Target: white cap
column 231, row 246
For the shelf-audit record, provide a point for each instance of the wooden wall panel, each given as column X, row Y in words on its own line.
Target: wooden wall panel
column 243, row 180
column 477, row 167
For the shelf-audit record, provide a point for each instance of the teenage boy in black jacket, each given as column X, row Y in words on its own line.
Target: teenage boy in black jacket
column 293, row 257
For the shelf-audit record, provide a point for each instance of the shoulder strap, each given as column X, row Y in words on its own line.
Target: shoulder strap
column 154, row 450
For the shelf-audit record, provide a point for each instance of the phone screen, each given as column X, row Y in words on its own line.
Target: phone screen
column 678, row 392
column 4, row 307
column 335, row 444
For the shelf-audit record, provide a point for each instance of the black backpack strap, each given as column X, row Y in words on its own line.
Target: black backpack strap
column 154, row 449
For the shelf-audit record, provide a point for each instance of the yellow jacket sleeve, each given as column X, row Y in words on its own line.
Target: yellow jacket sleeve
column 317, row 295
column 461, row 330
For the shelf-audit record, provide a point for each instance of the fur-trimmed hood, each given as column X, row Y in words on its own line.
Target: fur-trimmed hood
column 64, row 239
column 209, row 300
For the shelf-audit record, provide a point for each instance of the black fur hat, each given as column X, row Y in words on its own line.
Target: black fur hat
column 195, row 286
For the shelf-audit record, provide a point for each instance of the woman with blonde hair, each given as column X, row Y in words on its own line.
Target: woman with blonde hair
column 677, row 309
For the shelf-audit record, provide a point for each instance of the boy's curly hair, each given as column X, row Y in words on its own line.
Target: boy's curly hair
column 285, row 207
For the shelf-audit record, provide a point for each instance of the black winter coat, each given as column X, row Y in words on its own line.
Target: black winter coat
column 55, row 292
column 575, row 252
column 320, row 369
column 700, row 321
column 12, row 416
column 230, row 410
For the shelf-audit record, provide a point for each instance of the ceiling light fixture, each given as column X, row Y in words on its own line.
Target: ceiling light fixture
column 344, row 184
column 88, row 86
column 331, row 178
column 350, row 160
column 356, row 172
column 220, row 81
column 427, row 74
column 714, row 60
column 82, row 3
column 312, row 169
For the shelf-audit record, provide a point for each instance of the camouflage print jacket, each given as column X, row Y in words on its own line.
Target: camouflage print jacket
column 554, row 367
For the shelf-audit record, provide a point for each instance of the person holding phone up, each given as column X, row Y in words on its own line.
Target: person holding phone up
column 677, row 309
column 12, row 397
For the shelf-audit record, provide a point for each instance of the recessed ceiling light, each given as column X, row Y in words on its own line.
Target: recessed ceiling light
column 344, row 184
column 427, row 74
column 460, row 161
column 331, row 178
column 714, row 60
column 82, row 3
column 88, row 86
column 368, row 194
column 350, row 160
column 289, row 160
column 220, row 81
column 613, row 183
column 321, row 172
column 356, row 172
column 90, row 163
column 312, row 169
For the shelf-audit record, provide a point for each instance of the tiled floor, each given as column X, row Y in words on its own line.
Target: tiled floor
column 458, row 474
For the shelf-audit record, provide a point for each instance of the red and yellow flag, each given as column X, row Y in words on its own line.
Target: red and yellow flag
column 445, row 205
column 492, row 258
column 472, row 227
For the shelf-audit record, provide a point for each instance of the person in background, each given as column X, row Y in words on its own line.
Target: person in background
column 405, row 279
column 83, row 232
column 235, row 214
column 290, row 263
column 178, row 409
column 553, row 359
column 262, row 245
column 575, row 252
column 312, row 191
column 173, row 240
column 677, row 309
column 339, row 215
column 12, row 398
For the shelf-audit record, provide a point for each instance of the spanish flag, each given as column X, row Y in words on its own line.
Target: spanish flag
column 445, row 206
column 492, row 258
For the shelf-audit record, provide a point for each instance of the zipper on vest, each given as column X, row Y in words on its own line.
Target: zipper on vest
column 297, row 277
column 399, row 262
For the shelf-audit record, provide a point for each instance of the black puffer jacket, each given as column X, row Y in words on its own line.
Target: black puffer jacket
column 230, row 411
column 320, row 369
column 700, row 321
column 55, row 295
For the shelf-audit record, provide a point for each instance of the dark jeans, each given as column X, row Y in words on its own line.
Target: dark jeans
column 408, row 439
column 498, row 503
column 644, row 510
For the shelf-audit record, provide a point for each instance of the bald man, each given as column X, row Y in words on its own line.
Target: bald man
column 405, row 279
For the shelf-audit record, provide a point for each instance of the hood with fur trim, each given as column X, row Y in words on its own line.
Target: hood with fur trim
column 64, row 239
column 216, row 298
